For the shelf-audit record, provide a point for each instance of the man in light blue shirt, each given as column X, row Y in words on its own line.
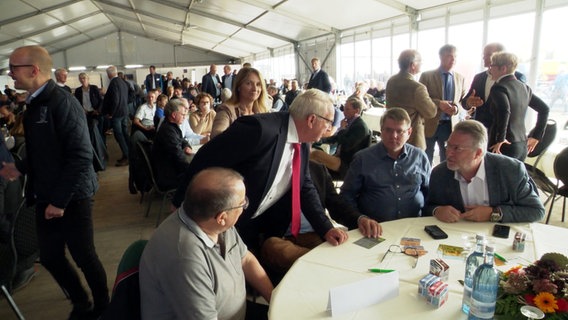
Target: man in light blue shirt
column 389, row 180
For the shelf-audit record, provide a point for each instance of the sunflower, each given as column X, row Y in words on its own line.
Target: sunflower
column 546, row 302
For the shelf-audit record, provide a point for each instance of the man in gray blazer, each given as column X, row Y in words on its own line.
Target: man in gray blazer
column 478, row 186
column 404, row 92
column 446, row 88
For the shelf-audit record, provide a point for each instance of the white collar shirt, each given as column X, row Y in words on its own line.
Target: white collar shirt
column 283, row 179
column 475, row 192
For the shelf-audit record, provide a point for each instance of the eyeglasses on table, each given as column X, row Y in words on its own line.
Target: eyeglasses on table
column 409, row 251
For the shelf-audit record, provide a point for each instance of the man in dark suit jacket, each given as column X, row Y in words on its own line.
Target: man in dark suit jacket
column 170, row 150
column 93, row 106
column 211, row 83
column 260, row 147
column 319, row 78
column 503, row 191
column 478, row 94
column 115, row 108
column 170, row 82
column 352, row 136
column 153, row 80
column 509, row 99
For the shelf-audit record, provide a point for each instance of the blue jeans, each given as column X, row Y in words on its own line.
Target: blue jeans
column 441, row 136
column 120, row 131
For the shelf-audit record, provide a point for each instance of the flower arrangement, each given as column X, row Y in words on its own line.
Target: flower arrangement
column 543, row 284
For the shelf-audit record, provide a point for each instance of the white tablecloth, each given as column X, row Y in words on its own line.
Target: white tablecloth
column 372, row 118
column 303, row 293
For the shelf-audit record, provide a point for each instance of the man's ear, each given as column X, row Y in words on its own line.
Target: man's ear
column 311, row 119
column 221, row 218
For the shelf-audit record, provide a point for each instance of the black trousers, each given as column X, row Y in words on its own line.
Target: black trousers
column 74, row 230
column 517, row 150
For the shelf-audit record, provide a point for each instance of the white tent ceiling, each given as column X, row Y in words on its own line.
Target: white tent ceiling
column 230, row 28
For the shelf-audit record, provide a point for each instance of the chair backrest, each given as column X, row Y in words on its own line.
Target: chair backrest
column 561, row 166
column 540, row 179
column 25, row 236
column 7, row 264
column 125, row 302
column 546, row 141
column 146, row 179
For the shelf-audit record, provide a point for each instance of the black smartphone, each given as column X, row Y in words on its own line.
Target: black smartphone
column 435, row 232
column 501, row 231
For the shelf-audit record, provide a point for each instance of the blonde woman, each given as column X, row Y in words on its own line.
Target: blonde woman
column 249, row 97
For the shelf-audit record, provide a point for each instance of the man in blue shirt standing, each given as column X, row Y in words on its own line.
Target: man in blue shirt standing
column 389, row 180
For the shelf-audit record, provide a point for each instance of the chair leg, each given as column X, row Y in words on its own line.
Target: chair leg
column 563, row 208
column 161, row 208
column 12, row 303
column 551, row 205
column 150, row 198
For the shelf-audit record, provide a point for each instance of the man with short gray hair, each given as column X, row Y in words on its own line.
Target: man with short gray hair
column 115, row 108
column 446, row 88
column 61, row 78
column 418, row 105
column 492, row 187
column 262, row 148
column 170, row 150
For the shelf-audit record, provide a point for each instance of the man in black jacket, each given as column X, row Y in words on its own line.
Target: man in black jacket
column 170, row 150
column 115, row 108
column 61, row 181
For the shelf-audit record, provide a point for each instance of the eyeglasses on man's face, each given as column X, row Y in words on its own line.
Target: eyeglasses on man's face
column 13, row 67
column 328, row 121
column 244, row 205
column 456, row 148
column 390, row 131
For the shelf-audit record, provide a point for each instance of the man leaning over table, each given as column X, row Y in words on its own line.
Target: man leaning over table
column 195, row 265
column 261, row 148
column 478, row 186
column 389, row 180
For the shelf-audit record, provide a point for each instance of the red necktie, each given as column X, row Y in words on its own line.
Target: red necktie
column 296, row 162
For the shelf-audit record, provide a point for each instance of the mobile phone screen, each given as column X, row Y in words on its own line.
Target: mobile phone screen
column 501, row 231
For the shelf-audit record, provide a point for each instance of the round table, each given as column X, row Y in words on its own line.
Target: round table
column 303, row 293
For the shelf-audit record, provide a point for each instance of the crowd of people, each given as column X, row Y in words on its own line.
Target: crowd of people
column 254, row 196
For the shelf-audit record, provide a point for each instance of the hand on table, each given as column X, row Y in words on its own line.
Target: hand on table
column 448, row 214
column 336, row 236
column 477, row 213
column 369, row 227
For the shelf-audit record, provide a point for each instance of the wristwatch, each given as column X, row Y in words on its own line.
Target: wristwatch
column 496, row 214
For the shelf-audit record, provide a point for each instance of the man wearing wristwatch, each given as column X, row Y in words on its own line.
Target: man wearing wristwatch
column 478, row 186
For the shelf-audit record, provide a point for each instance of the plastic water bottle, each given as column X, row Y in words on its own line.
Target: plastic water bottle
column 484, row 292
column 474, row 260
